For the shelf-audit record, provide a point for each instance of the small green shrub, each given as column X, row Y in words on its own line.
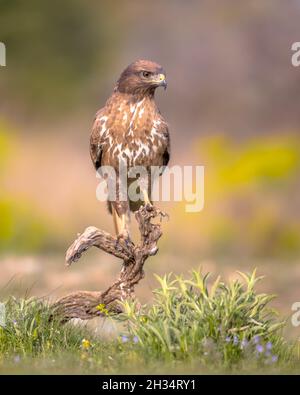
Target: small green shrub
column 221, row 326
column 29, row 331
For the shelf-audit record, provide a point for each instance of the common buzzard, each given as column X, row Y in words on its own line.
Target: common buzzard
column 131, row 129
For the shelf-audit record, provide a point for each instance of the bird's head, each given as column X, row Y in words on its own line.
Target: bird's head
column 141, row 77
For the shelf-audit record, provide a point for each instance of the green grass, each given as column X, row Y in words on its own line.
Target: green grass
column 193, row 326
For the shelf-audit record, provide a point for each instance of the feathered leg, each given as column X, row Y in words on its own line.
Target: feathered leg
column 120, row 214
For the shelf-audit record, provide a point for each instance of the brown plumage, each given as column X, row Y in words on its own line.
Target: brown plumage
column 130, row 128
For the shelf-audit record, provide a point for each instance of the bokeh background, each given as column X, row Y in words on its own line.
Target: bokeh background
column 232, row 105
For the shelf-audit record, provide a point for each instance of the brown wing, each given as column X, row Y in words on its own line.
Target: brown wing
column 166, row 137
column 96, row 143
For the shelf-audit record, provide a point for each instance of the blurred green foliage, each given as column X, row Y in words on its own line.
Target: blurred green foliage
column 56, row 51
column 22, row 227
column 257, row 162
column 4, row 147
column 252, row 192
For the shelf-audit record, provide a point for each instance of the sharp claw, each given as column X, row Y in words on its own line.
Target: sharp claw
column 153, row 251
column 164, row 215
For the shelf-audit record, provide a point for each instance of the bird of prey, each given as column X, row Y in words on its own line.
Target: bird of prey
column 131, row 128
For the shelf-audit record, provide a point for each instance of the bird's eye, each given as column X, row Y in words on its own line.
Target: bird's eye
column 146, row 74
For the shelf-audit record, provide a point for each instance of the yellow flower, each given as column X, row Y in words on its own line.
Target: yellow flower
column 86, row 344
column 102, row 309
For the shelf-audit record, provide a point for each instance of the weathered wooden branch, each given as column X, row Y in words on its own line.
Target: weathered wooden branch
column 85, row 304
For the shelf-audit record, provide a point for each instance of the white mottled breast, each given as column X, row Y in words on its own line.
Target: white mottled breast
column 133, row 132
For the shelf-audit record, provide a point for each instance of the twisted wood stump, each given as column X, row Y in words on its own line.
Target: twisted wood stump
column 86, row 305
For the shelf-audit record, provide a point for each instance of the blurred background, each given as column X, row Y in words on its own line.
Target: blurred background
column 232, row 104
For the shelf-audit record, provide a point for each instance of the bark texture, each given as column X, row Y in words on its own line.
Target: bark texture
column 86, row 305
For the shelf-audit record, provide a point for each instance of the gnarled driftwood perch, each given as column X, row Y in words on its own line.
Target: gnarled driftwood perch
column 85, row 304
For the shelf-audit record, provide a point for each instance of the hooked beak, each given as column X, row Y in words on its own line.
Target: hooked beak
column 161, row 81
